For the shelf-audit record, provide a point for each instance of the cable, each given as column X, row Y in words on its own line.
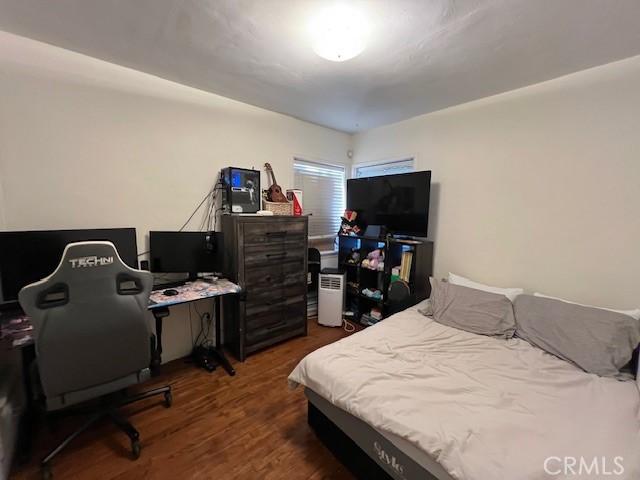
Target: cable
column 348, row 326
column 197, row 340
column 204, row 329
column 215, row 220
column 211, row 196
column 213, row 211
column 207, row 196
column 209, row 208
column 210, row 201
column 191, row 329
column 194, row 212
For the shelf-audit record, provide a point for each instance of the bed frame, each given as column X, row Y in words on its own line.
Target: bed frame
column 361, row 448
column 343, row 448
column 365, row 451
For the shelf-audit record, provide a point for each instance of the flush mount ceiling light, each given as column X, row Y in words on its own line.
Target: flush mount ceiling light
column 338, row 33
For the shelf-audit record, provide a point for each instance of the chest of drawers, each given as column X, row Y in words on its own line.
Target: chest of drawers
column 267, row 257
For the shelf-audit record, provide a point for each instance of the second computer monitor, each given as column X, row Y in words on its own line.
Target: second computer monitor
column 29, row 256
column 184, row 252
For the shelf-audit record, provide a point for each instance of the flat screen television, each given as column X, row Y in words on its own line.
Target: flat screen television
column 26, row 257
column 399, row 202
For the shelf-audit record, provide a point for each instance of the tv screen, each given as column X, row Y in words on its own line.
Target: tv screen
column 26, row 257
column 399, row 202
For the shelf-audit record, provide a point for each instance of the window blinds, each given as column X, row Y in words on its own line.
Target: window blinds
column 323, row 195
column 387, row 168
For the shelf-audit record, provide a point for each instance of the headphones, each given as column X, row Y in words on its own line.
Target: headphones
column 210, row 242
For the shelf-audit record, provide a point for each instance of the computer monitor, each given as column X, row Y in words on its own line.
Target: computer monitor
column 184, row 252
column 29, row 256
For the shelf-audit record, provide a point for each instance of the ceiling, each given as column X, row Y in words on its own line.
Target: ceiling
column 423, row 55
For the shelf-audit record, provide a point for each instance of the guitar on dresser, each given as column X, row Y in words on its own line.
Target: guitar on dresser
column 274, row 192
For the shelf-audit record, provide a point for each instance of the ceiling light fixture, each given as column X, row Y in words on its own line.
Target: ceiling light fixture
column 338, row 33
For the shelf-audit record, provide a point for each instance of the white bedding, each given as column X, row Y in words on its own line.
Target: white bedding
column 484, row 408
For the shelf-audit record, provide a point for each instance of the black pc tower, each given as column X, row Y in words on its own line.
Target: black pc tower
column 240, row 190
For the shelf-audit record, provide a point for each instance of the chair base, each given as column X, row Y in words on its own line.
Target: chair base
column 110, row 411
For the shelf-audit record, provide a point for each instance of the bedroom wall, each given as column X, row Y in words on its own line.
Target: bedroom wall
column 539, row 187
column 2, row 200
column 85, row 143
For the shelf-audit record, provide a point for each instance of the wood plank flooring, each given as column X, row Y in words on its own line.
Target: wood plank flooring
column 250, row 426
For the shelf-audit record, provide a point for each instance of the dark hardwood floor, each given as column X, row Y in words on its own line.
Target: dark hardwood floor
column 251, row 426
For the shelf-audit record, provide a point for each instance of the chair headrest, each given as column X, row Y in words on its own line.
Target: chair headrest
column 88, row 259
column 93, row 268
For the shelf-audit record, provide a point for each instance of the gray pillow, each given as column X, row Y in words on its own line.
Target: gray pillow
column 472, row 310
column 596, row 340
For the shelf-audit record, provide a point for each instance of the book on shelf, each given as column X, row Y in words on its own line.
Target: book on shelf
column 407, row 241
column 405, row 266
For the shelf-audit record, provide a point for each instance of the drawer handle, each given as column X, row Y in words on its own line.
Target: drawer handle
column 273, row 302
column 276, row 234
column 269, row 278
column 277, row 326
column 276, row 255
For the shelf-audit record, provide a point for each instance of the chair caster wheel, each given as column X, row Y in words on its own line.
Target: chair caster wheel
column 46, row 472
column 168, row 399
column 136, row 448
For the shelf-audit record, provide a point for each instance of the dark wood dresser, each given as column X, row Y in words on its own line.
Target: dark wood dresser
column 267, row 257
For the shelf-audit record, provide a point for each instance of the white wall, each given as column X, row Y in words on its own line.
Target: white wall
column 538, row 187
column 2, row 199
column 85, row 143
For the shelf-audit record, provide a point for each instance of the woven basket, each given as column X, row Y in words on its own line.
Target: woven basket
column 278, row 208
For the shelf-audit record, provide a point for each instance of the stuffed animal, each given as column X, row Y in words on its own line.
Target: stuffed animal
column 349, row 225
column 354, row 256
column 350, row 215
column 374, row 260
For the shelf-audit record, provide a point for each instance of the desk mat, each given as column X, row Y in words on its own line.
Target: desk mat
column 192, row 291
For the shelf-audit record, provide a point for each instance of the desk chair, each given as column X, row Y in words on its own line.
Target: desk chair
column 92, row 336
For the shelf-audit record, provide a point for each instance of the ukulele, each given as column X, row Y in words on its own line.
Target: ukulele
column 274, row 192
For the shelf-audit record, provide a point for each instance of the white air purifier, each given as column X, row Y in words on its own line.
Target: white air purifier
column 331, row 294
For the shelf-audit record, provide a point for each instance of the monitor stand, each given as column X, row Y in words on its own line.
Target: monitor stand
column 175, row 283
column 166, row 285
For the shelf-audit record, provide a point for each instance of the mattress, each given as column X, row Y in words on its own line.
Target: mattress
column 397, row 457
column 482, row 408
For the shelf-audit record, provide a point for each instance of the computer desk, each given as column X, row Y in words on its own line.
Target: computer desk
column 16, row 327
column 190, row 292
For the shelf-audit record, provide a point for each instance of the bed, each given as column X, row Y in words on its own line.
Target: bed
column 423, row 400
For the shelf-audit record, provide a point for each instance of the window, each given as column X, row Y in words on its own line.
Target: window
column 384, row 168
column 323, row 196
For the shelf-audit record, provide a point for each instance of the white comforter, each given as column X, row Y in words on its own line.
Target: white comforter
column 484, row 408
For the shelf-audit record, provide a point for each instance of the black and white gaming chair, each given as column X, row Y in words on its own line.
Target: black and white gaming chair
column 92, row 334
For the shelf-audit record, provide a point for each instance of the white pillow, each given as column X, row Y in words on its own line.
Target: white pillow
column 632, row 313
column 510, row 293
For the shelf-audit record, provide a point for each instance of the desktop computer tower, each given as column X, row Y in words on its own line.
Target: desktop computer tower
column 240, row 190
